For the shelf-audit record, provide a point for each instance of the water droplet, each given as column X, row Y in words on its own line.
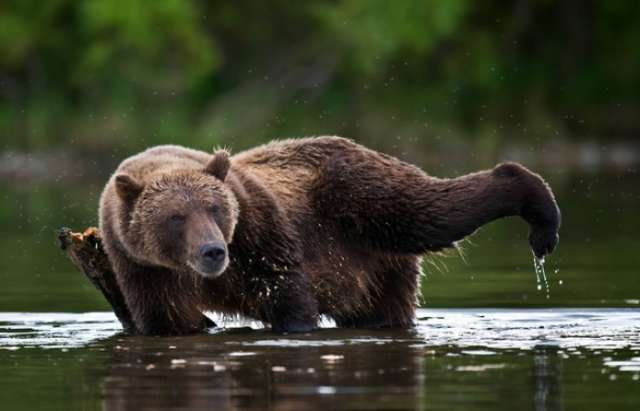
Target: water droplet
column 541, row 276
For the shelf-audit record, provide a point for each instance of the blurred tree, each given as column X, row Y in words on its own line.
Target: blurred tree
column 122, row 74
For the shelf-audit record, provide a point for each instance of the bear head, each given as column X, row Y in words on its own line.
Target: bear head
column 181, row 219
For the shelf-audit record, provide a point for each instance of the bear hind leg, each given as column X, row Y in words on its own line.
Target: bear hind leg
column 394, row 305
column 287, row 303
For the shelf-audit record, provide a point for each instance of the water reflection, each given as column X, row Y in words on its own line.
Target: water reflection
column 220, row 373
column 454, row 359
column 547, row 370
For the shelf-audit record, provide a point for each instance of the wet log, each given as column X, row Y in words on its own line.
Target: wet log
column 87, row 254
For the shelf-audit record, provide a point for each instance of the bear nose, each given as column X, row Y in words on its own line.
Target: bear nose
column 213, row 252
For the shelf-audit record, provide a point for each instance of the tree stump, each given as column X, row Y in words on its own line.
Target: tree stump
column 87, row 254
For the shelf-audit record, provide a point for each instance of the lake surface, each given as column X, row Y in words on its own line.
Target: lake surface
column 467, row 359
column 578, row 349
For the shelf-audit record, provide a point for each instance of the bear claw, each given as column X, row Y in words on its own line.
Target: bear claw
column 543, row 241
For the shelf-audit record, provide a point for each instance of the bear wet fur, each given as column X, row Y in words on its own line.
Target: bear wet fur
column 294, row 229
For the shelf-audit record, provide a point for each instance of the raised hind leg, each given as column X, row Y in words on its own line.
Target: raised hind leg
column 395, row 207
column 394, row 302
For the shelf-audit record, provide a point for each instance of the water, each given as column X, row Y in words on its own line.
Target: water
column 59, row 349
column 543, row 359
column 541, row 276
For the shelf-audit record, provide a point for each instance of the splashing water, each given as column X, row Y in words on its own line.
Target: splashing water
column 541, row 276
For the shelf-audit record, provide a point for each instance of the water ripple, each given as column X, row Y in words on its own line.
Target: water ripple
column 482, row 329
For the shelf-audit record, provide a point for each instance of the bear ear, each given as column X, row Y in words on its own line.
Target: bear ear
column 219, row 165
column 127, row 188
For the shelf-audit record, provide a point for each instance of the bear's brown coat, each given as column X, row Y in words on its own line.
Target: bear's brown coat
column 312, row 226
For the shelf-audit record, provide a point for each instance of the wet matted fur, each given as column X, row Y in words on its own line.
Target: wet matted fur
column 311, row 226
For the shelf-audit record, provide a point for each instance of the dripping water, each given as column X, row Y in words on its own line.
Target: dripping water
column 541, row 276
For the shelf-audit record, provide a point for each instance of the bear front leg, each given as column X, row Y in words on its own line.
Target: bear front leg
column 160, row 306
column 395, row 207
column 286, row 301
column 467, row 203
column 536, row 205
column 452, row 209
column 161, row 302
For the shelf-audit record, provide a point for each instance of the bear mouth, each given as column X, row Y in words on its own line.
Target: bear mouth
column 209, row 269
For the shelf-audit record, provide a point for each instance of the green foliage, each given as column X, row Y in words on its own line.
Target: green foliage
column 374, row 33
column 158, row 47
column 94, row 75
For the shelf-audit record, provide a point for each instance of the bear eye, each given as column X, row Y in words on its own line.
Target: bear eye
column 177, row 218
column 214, row 209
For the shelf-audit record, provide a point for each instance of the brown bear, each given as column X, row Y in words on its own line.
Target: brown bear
column 295, row 229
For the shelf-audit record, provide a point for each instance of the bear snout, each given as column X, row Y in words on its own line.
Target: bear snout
column 213, row 252
column 212, row 259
